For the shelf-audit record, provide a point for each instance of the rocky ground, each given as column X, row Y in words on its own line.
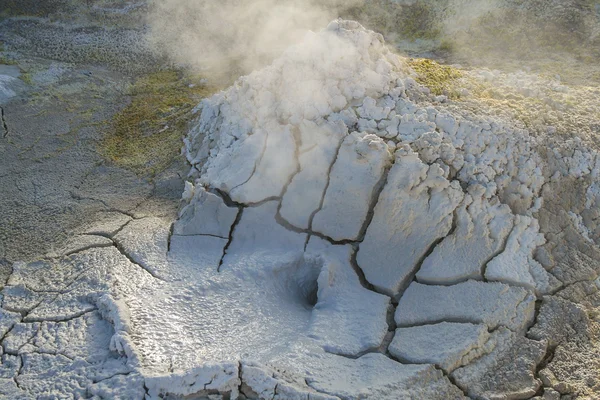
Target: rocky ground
column 346, row 223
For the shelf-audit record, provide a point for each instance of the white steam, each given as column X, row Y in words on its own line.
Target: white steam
column 233, row 35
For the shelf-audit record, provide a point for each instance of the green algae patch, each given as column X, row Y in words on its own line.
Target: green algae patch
column 440, row 79
column 146, row 135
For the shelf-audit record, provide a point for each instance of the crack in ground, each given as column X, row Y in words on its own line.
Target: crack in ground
column 312, row 215
column 360, row 273
column 360, row 353
column 4, row 124
column 229, row 202
column 497, row 253
column 122, row 250
column 412, row 277
column 85, row 248
column 452, row 380
column 15, row 378
column 256, row 164
column 203, row 235
column 547, row 359
column 171, row 229
column 281, row 221
column 240, row 389
column 94, row 381
column 438, row 368
column 109, row 208
column 237, row 220
column 114, row 233
column 72, row 317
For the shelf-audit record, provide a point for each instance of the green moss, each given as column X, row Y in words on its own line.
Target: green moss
column 7, row 61
column 146, row 135
column 26, row 77
column 440, row 79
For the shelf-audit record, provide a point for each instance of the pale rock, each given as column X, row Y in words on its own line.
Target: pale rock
column 448, row 345
column 493, row 304
column 145, row 241
column 347, row 318
column 108, row 224
column 202, row 380
column 376, row 376
column 83, row 242
column 481, row 230
column 355, row 177
column 507, row 372
column 205, row 214
column 516, row 264
column 411, row 127
column 370, row 110
column 8, row 320
column 414, row 210
column 320, row 144
column 262, row 383
column 258, row 240
column 191, row 255
column 273, row 169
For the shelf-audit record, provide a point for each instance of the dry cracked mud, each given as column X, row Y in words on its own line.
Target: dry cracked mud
column 343, row 232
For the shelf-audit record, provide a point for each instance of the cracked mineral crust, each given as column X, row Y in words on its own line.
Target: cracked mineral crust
column 342, row 235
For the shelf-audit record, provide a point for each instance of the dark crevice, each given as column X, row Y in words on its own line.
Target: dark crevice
column 108, row 207
column 281, row 221
column 406, row 362
column 390, row 317
column 312, row 215
column 95, row 381
column 564, row 286
column 225, row 197
column 376, row 193
column 237, row 220
column 298, row 144
column 19, row 371
column 356, row 356
column 209, row 382
column 361, row 275
column 112, row 234
column 229, row 202
column 92, row 246
column 453, row 382
column 496, row 254
column 121, row 249
column 262, row 202
column 391, row 311
column 437, row 367
column 202, row 235
column 440, row 320
column 8, row 331
column 547, row 359
column 4, row 124
column 412, row 277
column 241, row 384
column 256, row 164
column 61, row 319
column 550, row 349
column 28, row 341
column 278, row 217
column 171, row 229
